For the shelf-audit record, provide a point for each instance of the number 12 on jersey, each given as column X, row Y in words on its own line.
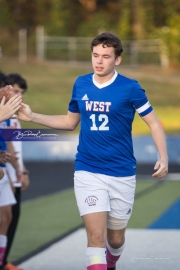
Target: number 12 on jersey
column 100, row 118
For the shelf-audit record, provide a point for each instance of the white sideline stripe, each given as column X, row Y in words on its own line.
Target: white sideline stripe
column 173, row 176
column 145, row 250
column 143, row 108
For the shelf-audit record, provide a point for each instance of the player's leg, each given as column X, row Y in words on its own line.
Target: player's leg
column 122, row 190
column 12, row 229
column 115, row 245
column 95, row 224
column 93, row 203
column 5, row 218
column 6, row 201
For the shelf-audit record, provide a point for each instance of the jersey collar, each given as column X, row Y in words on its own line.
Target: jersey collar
column 106, row 83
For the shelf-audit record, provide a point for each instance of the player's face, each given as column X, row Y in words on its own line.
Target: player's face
column 16, row 90
column 104, row 61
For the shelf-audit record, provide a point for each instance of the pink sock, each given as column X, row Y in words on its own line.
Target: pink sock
column 2, row 252
column 97, row 267
column 111, row 259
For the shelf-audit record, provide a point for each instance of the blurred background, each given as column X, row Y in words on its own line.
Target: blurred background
column 53, row 28
column 48, row 43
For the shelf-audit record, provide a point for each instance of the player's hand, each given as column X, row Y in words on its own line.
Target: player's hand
column 5, row 92
column 13, row 158
column 4, row 156
column 24, row 113
column 161, row 168
column 1, row 173
column 25, row 182
column 9, row 108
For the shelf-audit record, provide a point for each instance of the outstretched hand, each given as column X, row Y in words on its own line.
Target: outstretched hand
column 161, row 168
column 9, row 108
column 24, row 113
column 5, row 92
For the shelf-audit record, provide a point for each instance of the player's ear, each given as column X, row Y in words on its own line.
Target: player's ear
column 118, row 60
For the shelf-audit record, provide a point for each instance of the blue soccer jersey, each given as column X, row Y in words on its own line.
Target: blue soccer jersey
column 107, row 112
column 3, row 144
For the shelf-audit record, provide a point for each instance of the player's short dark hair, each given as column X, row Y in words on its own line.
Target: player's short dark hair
column 15, row 78
column 3, row 79
column 110, row 40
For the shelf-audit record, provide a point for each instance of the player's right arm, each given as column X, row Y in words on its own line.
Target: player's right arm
column 65, row 122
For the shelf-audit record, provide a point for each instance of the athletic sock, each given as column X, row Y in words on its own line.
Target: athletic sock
column 96, row 258
column 113, row 255
column 3, row 244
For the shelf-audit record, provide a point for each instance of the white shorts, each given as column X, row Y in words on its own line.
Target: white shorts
column 6, row 193
column 99, row 192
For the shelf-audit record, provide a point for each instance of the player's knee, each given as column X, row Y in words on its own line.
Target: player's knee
column 117, row 239
column 116, row 224
column 97, row 237
column 6, row 219
column 116, row 242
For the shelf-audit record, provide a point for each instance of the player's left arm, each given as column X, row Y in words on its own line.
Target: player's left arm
column 14, row 160
column 159, row 138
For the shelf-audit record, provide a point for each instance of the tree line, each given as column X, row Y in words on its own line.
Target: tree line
column 129, row 19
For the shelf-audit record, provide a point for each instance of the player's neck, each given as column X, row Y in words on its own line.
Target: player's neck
column 103, row 79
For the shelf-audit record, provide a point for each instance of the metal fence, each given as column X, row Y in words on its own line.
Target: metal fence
column 73, row 49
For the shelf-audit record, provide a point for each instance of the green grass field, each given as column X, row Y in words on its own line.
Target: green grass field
column 49, row 217
column 50, row 87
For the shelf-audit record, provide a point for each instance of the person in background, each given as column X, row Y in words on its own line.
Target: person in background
column 19, row 87
column 6, row 195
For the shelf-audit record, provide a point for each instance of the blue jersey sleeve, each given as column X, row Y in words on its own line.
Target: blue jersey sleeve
column 139, row 100
column 73, row 104
column 3, row 148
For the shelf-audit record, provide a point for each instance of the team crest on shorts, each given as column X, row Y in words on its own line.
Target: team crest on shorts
column 91, row 200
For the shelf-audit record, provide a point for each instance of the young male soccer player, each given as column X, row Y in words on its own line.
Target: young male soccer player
column 19, row 87
column 6, row 195
column 6, row 200
column 105, row 103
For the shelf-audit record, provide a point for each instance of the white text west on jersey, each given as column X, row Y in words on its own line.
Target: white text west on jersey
column 98, row 106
